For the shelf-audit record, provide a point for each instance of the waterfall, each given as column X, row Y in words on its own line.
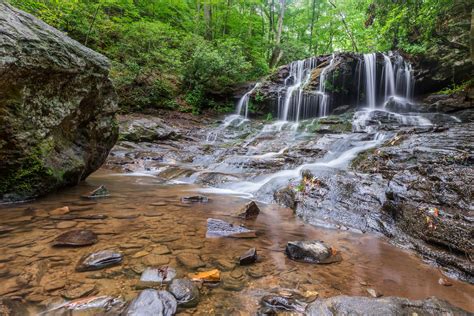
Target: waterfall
column 404, row 80
column 370, row 77
column 409, row 81
column 359, row 73
column 295, row 99
column 294, row 102
column 323, row 107
column 243, row 103
column 389, row 78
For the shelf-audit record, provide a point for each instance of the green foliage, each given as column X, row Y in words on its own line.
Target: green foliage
column 166, row 52
column 456, row 88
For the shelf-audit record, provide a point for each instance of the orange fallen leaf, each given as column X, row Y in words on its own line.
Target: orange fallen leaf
column 206, row 276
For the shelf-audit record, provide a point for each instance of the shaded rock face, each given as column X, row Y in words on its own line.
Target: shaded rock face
column 415, row 188
column 449, row 61
column 57, row 108
column 347, row 305
column 429, row 194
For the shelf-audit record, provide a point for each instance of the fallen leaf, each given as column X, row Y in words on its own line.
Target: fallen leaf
column 206, row 276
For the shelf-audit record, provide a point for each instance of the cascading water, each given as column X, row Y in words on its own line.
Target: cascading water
column 370, row 79
column 243, row 103
column 389, row 78
column 295, row 99
column 404, row 81
column 266, row 156
column 396, row 80
column 323, row 108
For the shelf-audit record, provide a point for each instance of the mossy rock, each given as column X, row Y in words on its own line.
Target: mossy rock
column 57, row 110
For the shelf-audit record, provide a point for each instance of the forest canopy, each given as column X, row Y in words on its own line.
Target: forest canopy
column 184, row 54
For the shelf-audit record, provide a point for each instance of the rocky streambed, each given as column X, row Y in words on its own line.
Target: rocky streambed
column 174, row 224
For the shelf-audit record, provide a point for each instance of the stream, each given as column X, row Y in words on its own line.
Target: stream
column 142, row 230
column 231, row 162
column 145, row 220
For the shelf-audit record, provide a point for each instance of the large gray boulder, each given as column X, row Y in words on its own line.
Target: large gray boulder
column 388, row 306
column 57, row 108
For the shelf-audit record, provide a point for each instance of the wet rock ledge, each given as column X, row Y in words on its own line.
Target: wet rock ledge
column 57, row 108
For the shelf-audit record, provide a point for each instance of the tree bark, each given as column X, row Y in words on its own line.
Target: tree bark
column 277, row 53
column 92, row 24
column 312, row 26
column 208, row 20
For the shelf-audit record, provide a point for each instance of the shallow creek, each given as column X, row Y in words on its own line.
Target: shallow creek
column 146, row 220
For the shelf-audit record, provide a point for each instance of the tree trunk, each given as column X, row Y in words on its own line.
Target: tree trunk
column 208, row 20
column 92, row 24
column 277, row 53
column 225, row 30
column 312, row 26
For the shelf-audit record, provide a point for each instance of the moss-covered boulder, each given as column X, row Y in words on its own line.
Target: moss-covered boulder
column 57, row 108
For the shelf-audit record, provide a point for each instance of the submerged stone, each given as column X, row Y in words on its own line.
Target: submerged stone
column 278, row 303
column 5, row 229
column 195, row 199
column 312, row 252
column 152, row 276
column 94, row 304
column 100, row 192
column 11, row 307
column 185, row 292
column 152, row 302
column 190, row 260
column 388, row 306
column 76, row 238
column 99, row 260
column 60, row 211
column 220, row 228
column 249, row 211
column 249, row 257
column 79, row 290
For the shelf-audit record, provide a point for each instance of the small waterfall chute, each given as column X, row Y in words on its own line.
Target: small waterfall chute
column 389, row 78
column 243, row 104
column 370, row 79
column 295, row 98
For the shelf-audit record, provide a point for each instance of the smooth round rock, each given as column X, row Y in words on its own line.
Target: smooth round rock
column 313, row 251
column 75, row 238
column 158, row 275
column 99, row 260
column 185, row 292
column 151, row 302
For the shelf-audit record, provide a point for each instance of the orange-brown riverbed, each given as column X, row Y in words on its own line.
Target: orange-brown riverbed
column 32, row 270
